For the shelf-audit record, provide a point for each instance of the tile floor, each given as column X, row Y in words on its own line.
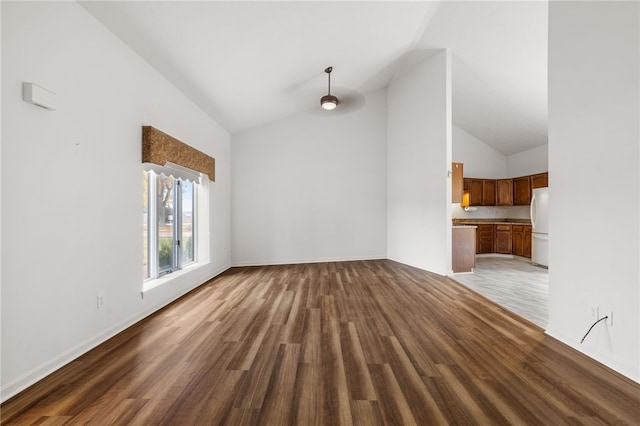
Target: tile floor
column 513, row 283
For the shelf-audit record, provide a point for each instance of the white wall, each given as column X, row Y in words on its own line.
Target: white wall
column 530, row 162
column 71, row 187
column 482, row 161
column 311, row 188
column 593, row 162
column 479, row 159
column 418, row 160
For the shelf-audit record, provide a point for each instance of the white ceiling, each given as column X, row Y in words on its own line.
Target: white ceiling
column 249, row 63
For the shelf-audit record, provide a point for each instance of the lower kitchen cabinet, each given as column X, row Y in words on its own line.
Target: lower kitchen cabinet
column 521, row 240
column 503, row 239
column 526, row 252
column 484, row 239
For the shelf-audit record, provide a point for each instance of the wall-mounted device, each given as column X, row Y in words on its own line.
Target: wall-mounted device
column 36, row 95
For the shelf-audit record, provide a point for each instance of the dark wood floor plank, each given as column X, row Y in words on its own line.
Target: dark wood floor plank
column 393, row 405
column 307, row 404
column 53, row 421
column 355, row 365
column 276, row 409
column 254, row 385
column 363, row 343
column 424, row 408
column 335, row 398
column 191, row 409
column 312, row 336
column 365, row 413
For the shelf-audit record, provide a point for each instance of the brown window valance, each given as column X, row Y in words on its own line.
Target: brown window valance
column 160, row 148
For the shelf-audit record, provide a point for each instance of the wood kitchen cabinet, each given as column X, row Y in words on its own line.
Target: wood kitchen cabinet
column 474, row 186
column 484, row 239
column 527, row 242
column 482, row 192
column 456, row 182
column 521, row 240
column 503, row 239
column 504, row 192
column 541, row 180
column 522, row 191
column 488, row 192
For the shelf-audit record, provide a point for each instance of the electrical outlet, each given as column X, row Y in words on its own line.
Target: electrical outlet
column 100, row 299
column 594, row 312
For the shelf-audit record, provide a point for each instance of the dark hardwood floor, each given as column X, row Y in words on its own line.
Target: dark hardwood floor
column 362, row 343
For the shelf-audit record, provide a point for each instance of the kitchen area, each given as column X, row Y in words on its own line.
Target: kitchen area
column 500, row 240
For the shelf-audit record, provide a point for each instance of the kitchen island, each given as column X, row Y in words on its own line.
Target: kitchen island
column 463, row 245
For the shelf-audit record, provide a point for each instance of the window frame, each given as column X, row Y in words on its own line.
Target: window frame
column 153, row 226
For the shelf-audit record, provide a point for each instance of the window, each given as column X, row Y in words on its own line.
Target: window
column 169, row 223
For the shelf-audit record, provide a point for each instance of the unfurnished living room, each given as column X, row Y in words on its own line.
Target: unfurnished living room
column 249, row 212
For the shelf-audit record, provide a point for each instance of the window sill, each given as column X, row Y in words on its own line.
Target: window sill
column 151, row 284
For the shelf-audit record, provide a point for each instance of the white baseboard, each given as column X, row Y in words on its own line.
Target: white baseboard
column 299, row 261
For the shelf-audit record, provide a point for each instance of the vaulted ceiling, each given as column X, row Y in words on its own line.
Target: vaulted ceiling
column 249, row 63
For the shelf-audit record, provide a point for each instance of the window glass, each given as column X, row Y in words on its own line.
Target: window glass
column 165, row 220
column 187, row 238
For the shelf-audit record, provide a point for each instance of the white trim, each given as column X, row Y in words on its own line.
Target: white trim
column 300, row 261
column 151, row 284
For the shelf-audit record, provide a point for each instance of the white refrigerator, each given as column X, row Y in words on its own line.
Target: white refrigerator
column 540, row 226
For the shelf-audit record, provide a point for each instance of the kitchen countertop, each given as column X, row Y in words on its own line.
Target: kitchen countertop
column 464, row 226
column 493, row 221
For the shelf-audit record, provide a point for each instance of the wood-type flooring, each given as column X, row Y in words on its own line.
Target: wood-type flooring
column 347, row 343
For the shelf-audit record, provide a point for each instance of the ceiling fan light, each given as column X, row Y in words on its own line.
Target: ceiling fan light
column 329, row 102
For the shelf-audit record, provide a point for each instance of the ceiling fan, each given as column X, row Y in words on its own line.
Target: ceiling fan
column 329, row 101
column 338, row 100
column 343, row 101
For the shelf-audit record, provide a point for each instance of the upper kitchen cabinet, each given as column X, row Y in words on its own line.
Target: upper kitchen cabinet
column 474, row 186
column 504, row 192
column 489, row 192
column 540, row 180
column 523, row 187
column 456, row 182
column 522, row 191
column 482, row 192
